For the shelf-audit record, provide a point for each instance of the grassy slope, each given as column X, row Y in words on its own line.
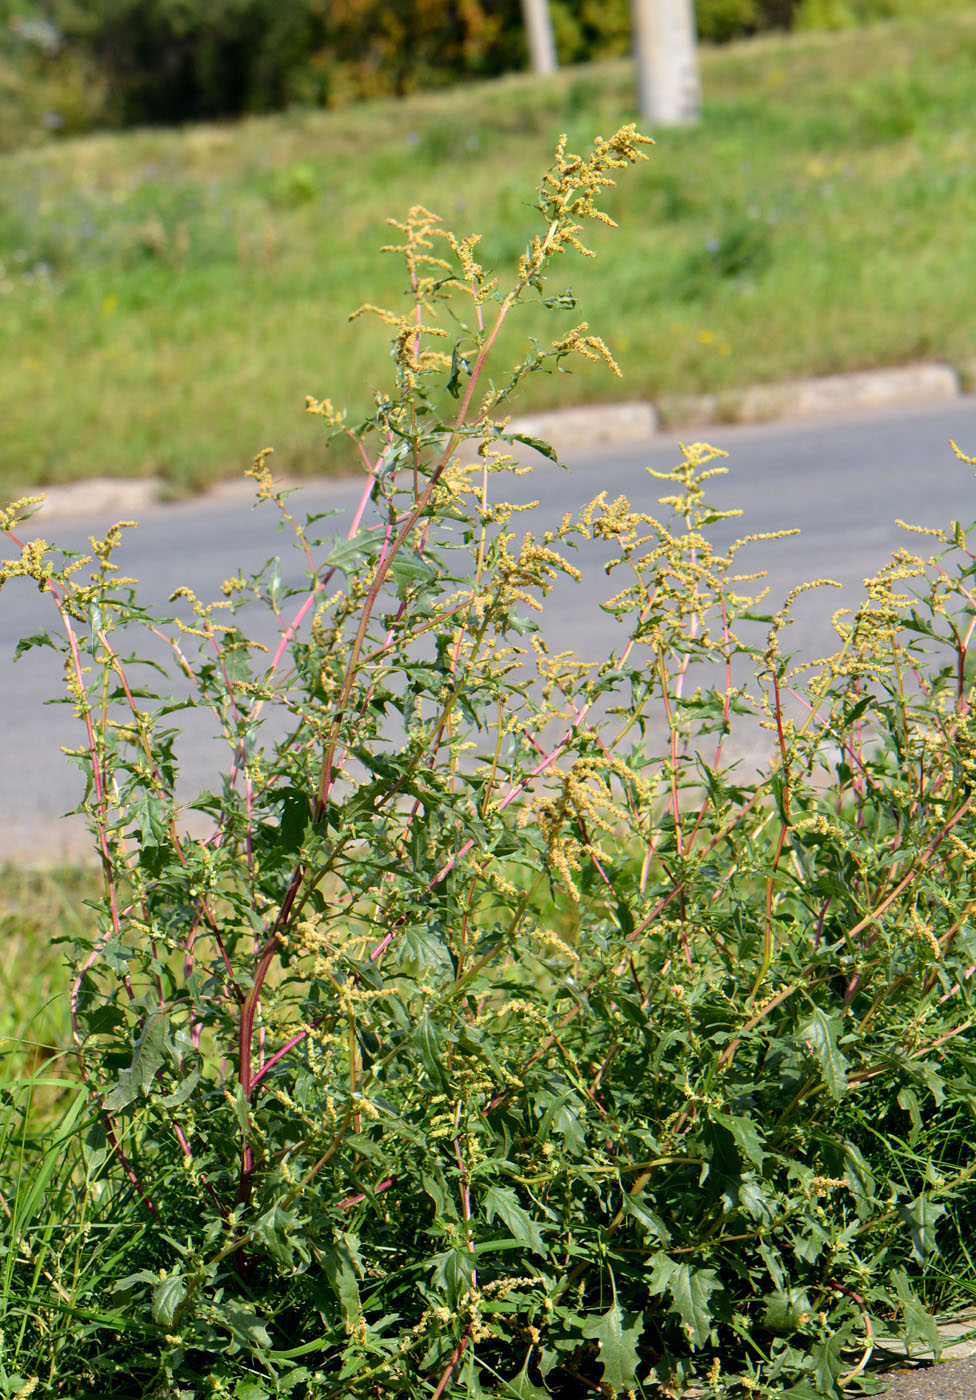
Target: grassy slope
column 169, row 298
column 36, row 907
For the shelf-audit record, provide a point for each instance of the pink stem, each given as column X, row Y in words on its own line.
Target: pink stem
column 355, row 1200
column 458, row 1353
column 444, row 871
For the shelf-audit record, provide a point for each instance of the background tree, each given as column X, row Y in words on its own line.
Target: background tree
column 539, row 34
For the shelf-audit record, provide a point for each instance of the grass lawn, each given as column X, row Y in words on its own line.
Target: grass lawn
column 40, row 912
column 168, row 298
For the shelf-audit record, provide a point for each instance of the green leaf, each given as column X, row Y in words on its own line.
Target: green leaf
column 809, row 1246
column 422, row 948
column 351, row 556
column 437, row 1191
column 502, row 1201
column 786, row 1310
column 288, row 1381
column 410, row 566
column 860, row 1180
column 745, row 1133
column 617, row 1334
column 94, row 1146
column 560, row 301
column 927, row 1073
column 774, row 1262
column 908, row 1100
column 690, row 1290
column 829, row 1363
column 459, row 365
column 148, row 1053
column 182, row 1091
column 250, row 1390
column 124, row 1290
column 539, row 444
column 38, row 639
column 921, row 1217
column 149, row 814
column 428, row 1043
column 15, row 1385
column 166, row 1299
column 453, row 1270
column 242, row 1108
column 245, row 1327
column 276, row 1229
column 756, row 1203
column 564, row 1115
column 920, row 1325
column 821, row 1032
column 342, row 1264
column 650, row 1223
column 520, row 1387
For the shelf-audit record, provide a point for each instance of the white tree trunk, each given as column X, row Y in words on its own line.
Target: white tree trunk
column 538, row 28
column 666, row 55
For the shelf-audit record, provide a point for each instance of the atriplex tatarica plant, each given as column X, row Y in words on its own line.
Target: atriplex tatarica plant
column 485, row 1031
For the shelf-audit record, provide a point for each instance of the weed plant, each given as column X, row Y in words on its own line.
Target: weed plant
column 484, row 1045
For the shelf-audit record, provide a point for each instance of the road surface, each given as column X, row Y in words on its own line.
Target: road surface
column 843, row 482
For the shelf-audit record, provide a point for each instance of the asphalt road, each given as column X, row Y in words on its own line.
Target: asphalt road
column 952, row 1380
column 843, row 482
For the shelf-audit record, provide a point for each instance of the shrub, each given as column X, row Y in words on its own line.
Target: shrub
column 485, row 1030
column 46, row 86
column 589, row 29
column 168, row 61
column 849, row 14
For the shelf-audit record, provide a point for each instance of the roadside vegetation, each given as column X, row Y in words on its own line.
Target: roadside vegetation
column 494, row 1034
column 72, row 66
column 166, row 297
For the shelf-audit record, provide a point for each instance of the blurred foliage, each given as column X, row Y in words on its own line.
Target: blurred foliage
column 849, row 14
column 167, row 59
column 74, row 65
column 46, row 85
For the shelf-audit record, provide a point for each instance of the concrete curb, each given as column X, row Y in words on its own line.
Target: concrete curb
column 614, row 424
column 102, row 495
column 957, row 1341
column 827, row 394
column 920, row 1377
column 917, row 1375
column 596, row 426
